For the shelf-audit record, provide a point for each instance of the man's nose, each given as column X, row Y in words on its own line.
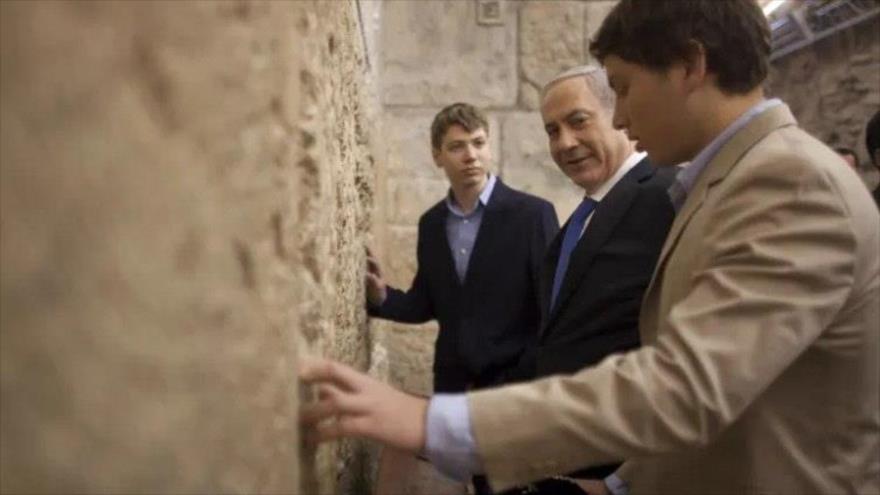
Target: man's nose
column 567, row 139
column 470, row 153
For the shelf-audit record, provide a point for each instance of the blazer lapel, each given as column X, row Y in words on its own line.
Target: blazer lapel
column 548, row 270
column 716, row 170
column 439, row 245
column 489, row 233
column 605, row 219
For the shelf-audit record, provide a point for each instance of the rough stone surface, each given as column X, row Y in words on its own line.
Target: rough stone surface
column 529, row 167
column 401, row 242
column 434, row 53
column 833, row 88
column 409, row 198
column 551, row 39
column 186, row 190
column 410, row 143
column 410, row 352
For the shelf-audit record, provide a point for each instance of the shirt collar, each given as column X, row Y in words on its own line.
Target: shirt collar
column 631, row 161
column 690, row 171
column 485, row 195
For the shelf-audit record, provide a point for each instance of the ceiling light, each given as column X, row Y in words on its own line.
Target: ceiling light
column 772, row 6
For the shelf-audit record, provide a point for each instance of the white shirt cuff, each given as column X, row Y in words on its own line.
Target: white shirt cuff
column 450, row 443
column 616, row 485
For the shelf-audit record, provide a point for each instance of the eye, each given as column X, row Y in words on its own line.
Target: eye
column 479, row 143
column 578, row 121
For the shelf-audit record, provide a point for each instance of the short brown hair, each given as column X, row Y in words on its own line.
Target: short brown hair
column 657, row 33
column 461, row 114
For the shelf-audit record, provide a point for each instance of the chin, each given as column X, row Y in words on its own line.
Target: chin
column 584, row 182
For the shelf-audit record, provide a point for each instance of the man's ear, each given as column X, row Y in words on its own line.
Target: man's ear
column 435, row 152
column 694, row 65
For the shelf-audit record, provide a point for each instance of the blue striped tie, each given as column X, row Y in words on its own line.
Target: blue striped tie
column 572, row 236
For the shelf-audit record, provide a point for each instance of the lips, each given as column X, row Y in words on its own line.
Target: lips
column 576, row 162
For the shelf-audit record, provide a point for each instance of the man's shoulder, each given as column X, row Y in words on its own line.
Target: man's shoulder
column 791, row 154
column 790, row 163
column 653, row 182
column 650, row 176
column 436, row 212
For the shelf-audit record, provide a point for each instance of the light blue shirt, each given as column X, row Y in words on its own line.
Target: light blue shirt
column 462, row 229
column 449, row 443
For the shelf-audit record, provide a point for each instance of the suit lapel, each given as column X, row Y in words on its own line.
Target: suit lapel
column 439, row 245
column 489, row 234
column 716, row 170
column 548, row 269
column 605, row 219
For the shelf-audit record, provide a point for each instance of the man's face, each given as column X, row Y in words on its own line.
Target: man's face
column 464, row 156
column 583, row 142
column 652, row 108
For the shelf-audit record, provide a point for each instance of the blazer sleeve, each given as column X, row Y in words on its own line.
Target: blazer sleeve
column 413, row 305
column 780, row 265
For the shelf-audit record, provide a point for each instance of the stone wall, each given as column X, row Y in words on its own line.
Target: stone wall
column 186, row 191
column 833, row 87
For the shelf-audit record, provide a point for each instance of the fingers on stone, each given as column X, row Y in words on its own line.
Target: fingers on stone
column 316, row 412
column 318, row 370
column 347, row 426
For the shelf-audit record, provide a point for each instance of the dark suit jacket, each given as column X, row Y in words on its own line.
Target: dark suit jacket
column 597, row 312
column 486, row 322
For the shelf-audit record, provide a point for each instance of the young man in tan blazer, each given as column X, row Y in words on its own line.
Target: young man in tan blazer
column 760, row 365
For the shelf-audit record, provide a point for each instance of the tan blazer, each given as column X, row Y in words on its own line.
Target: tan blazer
column 761, row 365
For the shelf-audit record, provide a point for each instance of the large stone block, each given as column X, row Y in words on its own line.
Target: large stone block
column 551, row 39
column 410, row 351
column 409, row 198
column 401, row 264
column 146, row 344
column 528, row 165
column 408, row 139
column 435, row 53
column 596, row 12
column 184, row 195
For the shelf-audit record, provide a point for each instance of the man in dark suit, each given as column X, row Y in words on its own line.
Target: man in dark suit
column 599, row 265
column 479, row 257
